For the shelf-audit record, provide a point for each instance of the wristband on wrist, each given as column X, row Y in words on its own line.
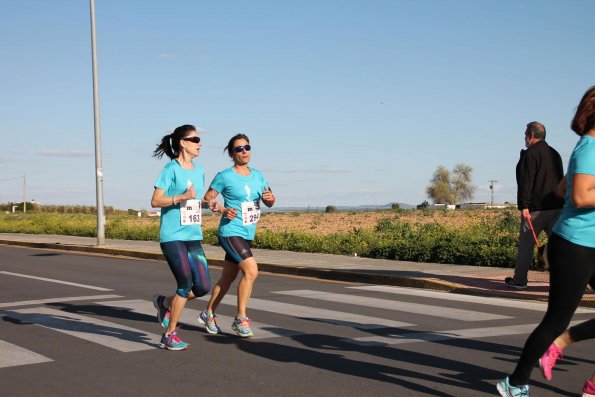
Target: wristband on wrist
column 173, row 200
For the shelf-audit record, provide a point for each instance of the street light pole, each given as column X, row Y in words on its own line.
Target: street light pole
column 98, row 166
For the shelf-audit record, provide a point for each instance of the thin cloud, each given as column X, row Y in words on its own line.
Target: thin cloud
column 164, row 55
column 72, row 153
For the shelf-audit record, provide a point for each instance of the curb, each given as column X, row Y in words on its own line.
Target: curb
column 326, row 274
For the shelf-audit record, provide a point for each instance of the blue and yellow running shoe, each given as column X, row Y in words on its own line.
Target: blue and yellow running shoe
column 208, row 320
column 241, row 325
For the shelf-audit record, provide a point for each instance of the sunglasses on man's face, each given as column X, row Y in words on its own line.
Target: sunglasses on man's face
column 240, row 149
column 194, row 139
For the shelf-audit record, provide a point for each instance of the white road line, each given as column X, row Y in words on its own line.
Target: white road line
column 408, row 307
column 501, row 302
column 112, row 335
column 323, row 315
column 189, row 316
column 51, row 280
column 469, row 333
column 57, row 300
column 13, row 355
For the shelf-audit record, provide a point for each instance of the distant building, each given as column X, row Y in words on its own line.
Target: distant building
column 484, row 205
column 442, row 207
column 153, row 213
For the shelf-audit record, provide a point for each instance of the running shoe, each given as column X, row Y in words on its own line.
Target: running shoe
column 508, row 390
column 589, row 389
column 208, row 320
column 548, row 360
column 172, row 342
column 241, row 325
column 162, row 312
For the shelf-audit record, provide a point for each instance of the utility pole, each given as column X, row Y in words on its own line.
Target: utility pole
column 492, row 183
column 24, row 196
column 98, row 166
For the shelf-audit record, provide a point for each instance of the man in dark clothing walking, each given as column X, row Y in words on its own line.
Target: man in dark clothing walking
column 538, row 173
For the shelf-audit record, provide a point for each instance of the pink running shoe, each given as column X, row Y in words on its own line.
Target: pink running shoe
column 589, row 389
column 548, row 360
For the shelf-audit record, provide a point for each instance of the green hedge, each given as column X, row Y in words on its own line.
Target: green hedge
column 487, row 243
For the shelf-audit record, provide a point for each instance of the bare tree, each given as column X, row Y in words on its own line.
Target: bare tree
column 448, row 187
column 462, row 188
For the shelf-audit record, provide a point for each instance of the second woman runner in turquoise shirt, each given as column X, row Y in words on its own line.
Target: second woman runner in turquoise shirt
column 242, row 188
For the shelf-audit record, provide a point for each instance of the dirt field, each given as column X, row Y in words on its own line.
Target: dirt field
column 339, row 222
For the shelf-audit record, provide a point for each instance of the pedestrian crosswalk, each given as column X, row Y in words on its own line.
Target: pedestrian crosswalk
column 361, row 315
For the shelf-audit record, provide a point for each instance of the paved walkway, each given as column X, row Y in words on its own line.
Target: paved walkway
column 473, row 280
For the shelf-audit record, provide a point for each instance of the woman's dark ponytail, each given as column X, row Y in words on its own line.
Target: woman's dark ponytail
column 170, row 143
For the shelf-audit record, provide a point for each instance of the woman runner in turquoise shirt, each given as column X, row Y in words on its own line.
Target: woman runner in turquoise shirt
column 180, row 232
column 571, row 255
column 242, row 188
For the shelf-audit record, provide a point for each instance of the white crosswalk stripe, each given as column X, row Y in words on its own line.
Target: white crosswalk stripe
column 500, row 302
column 408, row 307
column 469, row 333
column 57, row 300
column 318, row 314
column 114, row 336
column 13, row 356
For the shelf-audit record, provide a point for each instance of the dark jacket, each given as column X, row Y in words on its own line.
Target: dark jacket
column 538, row 173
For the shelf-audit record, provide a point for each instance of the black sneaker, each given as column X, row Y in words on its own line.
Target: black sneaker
column 513, row 284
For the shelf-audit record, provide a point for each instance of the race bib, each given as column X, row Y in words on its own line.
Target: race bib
column 190, row 212
column 250, row 212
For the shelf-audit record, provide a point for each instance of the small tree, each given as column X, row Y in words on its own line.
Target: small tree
column 423, row 205
column 448, row 187
column 330, row 208
column 439, row 189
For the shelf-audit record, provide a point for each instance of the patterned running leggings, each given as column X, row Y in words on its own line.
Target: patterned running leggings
column 188, row 263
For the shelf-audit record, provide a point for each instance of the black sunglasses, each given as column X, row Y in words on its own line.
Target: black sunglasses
column 194, row 139
column 239, row 149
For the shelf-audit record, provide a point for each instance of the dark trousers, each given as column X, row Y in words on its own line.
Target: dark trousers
column 572, row 267
column 543, row 221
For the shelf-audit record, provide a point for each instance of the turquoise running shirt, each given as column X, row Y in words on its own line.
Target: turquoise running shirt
column 577, row 225
column 174, row 180
column 244, row 194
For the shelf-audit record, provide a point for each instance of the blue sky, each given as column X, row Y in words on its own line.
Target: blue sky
column 345, row 102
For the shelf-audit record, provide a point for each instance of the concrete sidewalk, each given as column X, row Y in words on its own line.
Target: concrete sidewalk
column 473, row 280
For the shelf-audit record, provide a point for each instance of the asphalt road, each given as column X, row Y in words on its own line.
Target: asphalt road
column 84, row 325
